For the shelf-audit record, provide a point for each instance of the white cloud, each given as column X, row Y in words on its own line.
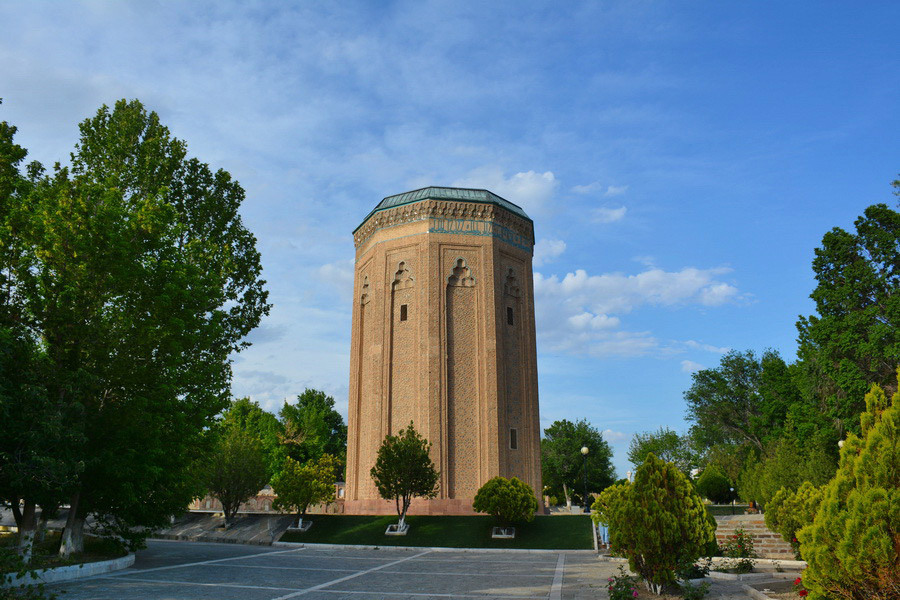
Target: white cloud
column 615, row 436
column 581, row 313
column 340, row 275
column 590, row 188
column 546, row 251
column 615, row 190
column 689, row 366
column 609, row 215
column 695, row 345
column 529, row 189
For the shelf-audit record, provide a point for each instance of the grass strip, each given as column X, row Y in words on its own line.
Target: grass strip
column 570, row 532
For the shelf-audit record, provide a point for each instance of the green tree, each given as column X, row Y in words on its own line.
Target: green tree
column 785, row 463
column 714, row 484
column 404, row 470
column 140, row 280
column 742, row 401
column 312, row 427
column 507, row 500
column 563, row 465
column 852, row 545
column 659, row 522
column 246, row 415
column 237, row 471
column 854, row 340
column 666, row 445
column 300, row 486
column 37, row 460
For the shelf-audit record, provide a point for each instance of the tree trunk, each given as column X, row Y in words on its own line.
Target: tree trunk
column 73, row 534
column 26, row 531
column 40, row 532
column 17, row 512
column 568, row 497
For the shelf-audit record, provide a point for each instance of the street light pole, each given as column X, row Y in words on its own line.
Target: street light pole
column 584, row 453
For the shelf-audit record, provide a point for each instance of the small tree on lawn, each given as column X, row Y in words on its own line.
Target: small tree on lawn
column 852, row 545
column 300, row 486
column 507, row 500
column 404, row 470
column 237, row 472
column 659, row 522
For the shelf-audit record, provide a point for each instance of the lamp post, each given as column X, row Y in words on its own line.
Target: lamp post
column 584, row 453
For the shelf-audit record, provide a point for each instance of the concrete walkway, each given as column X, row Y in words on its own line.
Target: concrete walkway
column 186, row 571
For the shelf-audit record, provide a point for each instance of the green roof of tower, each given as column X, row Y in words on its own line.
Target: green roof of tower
column 446, row 193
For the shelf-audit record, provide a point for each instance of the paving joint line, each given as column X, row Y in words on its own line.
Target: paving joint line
column 556, row 587
column 321, row 586
column 202, row 562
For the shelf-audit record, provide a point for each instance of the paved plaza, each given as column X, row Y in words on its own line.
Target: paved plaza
column 181, row 571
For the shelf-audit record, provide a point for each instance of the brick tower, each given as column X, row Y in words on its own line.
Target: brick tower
column 443, row 336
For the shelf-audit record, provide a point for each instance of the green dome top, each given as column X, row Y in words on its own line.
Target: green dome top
column 446, row 193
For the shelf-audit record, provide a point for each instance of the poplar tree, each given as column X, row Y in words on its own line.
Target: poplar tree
column 140, row 279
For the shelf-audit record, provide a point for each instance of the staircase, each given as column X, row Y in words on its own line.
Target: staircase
column 767, row 544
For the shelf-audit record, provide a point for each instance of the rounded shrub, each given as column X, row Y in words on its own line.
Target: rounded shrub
column 714, row 484
column 507, row 500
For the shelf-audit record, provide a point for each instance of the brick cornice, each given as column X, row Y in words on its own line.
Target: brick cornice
column 443, row 209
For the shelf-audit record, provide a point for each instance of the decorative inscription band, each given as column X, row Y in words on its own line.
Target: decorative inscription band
column 481, row 228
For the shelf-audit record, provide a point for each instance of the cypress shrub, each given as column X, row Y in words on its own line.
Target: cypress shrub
column 852, row 545
column 788, row 512
column 658, row 523
column 714, row 484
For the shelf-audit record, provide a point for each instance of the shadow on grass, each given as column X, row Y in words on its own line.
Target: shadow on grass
column 571, row 532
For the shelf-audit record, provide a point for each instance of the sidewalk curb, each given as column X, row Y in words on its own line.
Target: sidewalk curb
column 431, row 548
column 70, row 572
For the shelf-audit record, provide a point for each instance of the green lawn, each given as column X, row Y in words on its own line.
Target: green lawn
column 570, row 532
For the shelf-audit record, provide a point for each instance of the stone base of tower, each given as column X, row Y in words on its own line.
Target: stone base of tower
column 419, row 506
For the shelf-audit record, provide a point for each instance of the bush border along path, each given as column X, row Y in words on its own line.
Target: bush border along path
column 570, row 532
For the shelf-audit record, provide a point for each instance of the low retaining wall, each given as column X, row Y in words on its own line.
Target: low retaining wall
column 69, row 572
column 766, row 543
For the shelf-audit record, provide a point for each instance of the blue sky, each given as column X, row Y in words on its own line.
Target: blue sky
column 681, row 161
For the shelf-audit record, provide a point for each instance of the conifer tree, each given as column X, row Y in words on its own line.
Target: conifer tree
column 659, row 523
column 852, row 545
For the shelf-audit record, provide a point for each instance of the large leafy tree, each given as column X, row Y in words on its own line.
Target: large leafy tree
column 854, row 340
column 666, row 445
column 745, row 400
column 37, row 460
column 237, row 471
column 246, row 415
column 563, row 465
column 140, row 279
column 312, row 427
column 404, row 470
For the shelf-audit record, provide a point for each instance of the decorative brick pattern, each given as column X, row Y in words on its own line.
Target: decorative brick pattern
column 454, row 367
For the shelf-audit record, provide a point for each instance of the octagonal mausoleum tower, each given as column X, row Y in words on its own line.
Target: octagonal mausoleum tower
column 443, row 336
